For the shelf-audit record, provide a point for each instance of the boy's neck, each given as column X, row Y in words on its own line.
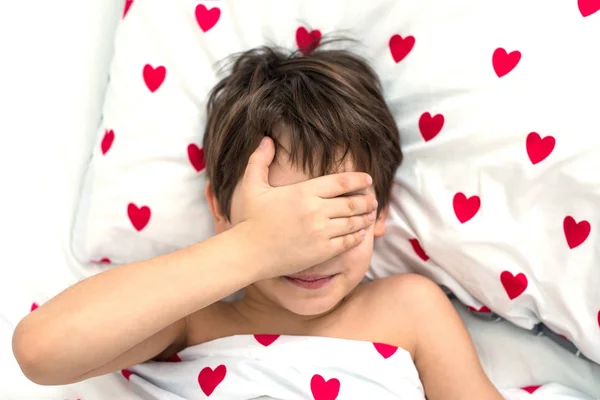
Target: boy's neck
column 266, row 315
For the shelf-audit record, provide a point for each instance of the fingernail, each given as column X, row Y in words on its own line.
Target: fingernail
column 362, row 232
column 372, row 216
column 369, row 180
column 263, row 143
column 375, row 203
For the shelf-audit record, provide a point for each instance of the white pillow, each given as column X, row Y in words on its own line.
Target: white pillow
column 497, row 197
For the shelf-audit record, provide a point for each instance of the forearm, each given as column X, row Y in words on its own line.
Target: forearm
column 100, row 318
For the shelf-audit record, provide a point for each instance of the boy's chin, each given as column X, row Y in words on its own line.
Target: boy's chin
column 311, row 307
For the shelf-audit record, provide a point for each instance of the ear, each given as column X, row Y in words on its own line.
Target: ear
column 379, row 227
column 221, row 221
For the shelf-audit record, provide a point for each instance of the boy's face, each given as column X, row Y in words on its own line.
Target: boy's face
column 320, row 288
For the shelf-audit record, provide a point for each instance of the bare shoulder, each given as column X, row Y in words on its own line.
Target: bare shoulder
column 210, row 323
column 404, row 292
column 396, row 306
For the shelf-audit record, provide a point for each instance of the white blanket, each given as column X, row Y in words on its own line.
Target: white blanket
column 282, row 367
column 249, row 367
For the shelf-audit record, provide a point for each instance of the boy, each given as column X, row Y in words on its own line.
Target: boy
column 302, row 247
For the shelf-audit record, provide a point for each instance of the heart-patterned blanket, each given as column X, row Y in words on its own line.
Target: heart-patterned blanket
column 281, row 367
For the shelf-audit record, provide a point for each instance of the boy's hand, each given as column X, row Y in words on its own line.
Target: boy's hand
column 301, row 225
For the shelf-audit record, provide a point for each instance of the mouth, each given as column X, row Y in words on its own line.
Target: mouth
column 310, row 281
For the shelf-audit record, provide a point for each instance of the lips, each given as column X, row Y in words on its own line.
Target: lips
column 311, row 281
column 308, row 277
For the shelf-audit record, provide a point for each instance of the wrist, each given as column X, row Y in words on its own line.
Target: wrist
column 251, row 252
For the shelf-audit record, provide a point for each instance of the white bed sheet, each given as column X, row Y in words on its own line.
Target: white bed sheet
column 55, row 58
column 53, row 68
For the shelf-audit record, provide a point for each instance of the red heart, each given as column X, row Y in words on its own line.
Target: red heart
column 418, row 249
column 464, row 208
column 575, row 232
column 588, row 7
column 128, row 4
column 401, row 47
column 539, row 148
column 505, row 62
column 196, row 157
column 513, row 285
column 173, row 358
column 126, row 373
column 307, row 41
column 324, row 390
column 104, row 260
column 207, row 18
column 385, row 350
column 107, row 141
column 154, row 77
column 34, row 306
column 530, row 389
column 430, row 126
column 209, row 379
column 598, row 318
column 266, row 340
column 483, row 309
column 139, row 216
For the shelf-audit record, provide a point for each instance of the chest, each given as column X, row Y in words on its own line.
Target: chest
column 356, row 319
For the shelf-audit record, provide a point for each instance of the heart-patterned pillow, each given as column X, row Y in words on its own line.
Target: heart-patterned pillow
column 498, row 195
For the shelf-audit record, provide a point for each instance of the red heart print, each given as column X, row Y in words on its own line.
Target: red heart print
column 575, row 232
column 139, row 216
column 505, row 62
column 307, row 41
column 266, row 340
column 385, row 350
column 418, row 249
column 34, row 306
column 126, row 373
column 173, row 358
column 430, row 126
column 128, row 4
column 598, row 319
column 324, row 390
column 465, row 208
column 588, row 7
column 483, row 309
column 513, row 285
column 104, row 260
column 530, row 389
column 400, row 47
column 207, row 18
column 107, row 141
column 154, row 77
column 209, row 379
column 538, row 148
column 196, row 157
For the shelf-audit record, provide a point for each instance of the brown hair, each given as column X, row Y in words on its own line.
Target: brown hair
column 330, row 101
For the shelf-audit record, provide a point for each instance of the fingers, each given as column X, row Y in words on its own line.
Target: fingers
column 346, row 242
column 257, row 170
column 335, row 185
column 349, row 206
column 344, row 226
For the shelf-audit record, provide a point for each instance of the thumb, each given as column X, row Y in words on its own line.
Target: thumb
column 257, row 171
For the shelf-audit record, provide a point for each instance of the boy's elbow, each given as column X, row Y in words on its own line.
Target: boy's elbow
column 31, row 356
